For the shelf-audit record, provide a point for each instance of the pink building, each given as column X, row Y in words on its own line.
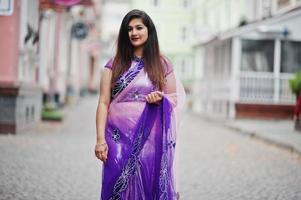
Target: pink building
column 38, row 57
column 20, row 96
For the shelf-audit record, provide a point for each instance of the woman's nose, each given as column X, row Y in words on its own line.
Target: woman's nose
column 134, row 32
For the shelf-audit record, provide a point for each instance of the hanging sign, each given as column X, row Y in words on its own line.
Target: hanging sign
column 79, row 30
column 6, row 7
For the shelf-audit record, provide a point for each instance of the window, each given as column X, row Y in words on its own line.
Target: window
column 183, row 66
column 266, row 8
column 290, row 56
column 185, row 3
column 283, row 3
column 183, row 33
column 257, row 55
column 156, row 2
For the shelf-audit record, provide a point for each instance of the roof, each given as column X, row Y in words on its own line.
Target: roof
column 254, row 25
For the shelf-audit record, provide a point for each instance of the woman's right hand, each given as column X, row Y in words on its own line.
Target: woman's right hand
column 154, row 97
column 101, row 151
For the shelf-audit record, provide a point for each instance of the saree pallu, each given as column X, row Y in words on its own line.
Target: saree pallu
column 141, row 138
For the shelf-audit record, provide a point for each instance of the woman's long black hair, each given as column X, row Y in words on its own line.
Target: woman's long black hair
column 151, row 51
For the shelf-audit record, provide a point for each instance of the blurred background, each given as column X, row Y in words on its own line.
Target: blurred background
column 240, row 54
column 238, row 61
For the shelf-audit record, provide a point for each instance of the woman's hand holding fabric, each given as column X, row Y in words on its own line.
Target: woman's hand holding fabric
column 154, row 97
column 101, row 151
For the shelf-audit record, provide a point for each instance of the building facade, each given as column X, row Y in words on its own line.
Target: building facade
column 172, row 19
column 20, row 94
column 44, row 53
column 113, row 12
column 69, row 51
column 247, row 68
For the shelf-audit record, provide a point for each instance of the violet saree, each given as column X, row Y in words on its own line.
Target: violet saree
column 141, row 138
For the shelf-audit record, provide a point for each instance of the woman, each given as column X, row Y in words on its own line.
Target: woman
column 135, row 117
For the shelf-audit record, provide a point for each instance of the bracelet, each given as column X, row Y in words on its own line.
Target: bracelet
column 101, row 144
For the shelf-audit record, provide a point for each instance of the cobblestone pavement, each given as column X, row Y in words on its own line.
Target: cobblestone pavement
column 215, row 163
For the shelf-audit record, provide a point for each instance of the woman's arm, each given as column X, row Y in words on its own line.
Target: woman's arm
column 172, row 89
column 101, row 148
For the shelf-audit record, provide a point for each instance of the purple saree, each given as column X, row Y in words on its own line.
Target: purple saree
column 141, row 138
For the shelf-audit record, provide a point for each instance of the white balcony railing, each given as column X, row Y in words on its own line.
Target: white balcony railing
column 259, row 87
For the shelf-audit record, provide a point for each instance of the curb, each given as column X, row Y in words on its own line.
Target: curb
column 267, row 140
column 251, row 134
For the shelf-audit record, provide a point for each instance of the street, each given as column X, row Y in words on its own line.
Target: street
column 57, row 162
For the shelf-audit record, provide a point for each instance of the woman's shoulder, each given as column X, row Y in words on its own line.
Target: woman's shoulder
column 167, row 65
column 109, row 63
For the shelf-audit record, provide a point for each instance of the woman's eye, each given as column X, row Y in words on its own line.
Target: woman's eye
column 129, row 29
column 139, row 28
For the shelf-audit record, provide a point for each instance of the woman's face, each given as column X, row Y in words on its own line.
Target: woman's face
column 138, row 32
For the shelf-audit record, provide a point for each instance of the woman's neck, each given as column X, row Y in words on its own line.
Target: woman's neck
column 138, row 52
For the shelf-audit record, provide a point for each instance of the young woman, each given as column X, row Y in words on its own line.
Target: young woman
column 135, row 119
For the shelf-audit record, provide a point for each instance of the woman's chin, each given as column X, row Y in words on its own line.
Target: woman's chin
column 137, row 44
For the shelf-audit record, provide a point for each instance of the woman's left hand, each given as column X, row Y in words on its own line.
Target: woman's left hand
column 154, row 97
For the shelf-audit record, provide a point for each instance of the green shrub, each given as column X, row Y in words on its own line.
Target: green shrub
column 295, row 83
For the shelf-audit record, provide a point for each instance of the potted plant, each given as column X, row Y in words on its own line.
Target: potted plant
column 295, row 85
column 50, row 113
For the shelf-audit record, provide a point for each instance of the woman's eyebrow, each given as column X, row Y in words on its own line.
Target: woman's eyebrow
column 135, row 25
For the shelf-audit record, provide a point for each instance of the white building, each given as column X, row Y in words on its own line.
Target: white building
column 113, row 12
column 246, row 69
column 68, row 65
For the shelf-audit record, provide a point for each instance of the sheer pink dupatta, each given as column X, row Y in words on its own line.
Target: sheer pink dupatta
column 175, row 93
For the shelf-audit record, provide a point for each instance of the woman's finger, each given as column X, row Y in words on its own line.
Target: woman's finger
column 149, row 98
column 102, row 157
column 99, row 156
column 153, row 97
column 159, row 93
column 157, row 96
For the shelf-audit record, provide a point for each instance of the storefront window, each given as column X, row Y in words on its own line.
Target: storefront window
column 290, row 56
column 257, row 55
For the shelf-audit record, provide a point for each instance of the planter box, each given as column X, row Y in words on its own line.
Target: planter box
column 20, row 107
column 267, row 111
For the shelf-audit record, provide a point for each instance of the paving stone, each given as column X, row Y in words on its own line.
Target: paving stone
column 214, row 163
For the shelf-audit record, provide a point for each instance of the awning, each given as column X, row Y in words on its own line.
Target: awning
column 62, row 5
column 69, row 3
column 66, row 3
